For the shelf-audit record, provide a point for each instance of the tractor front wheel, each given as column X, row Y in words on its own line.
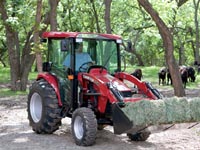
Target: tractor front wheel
column 84, row 126
column 43, row 109
column 141, row 136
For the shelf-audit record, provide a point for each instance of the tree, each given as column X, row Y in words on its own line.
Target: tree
column 36, row 36
column 169, row 47
column 20, row 61
column 95, row 15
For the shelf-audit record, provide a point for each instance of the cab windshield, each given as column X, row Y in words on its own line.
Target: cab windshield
column 102, row 52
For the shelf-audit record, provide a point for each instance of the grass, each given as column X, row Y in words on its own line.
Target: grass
column 150, row 74
column 4, row 92
column 32, row 76
column 5, row 79
column 4, row 75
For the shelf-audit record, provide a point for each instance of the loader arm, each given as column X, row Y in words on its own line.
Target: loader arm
column 142, row 87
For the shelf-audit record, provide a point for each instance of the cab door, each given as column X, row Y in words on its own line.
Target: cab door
column 59, row 50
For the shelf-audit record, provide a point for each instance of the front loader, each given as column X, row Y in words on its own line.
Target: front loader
column 92, row 95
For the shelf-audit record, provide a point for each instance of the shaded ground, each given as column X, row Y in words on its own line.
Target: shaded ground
column 15, row 133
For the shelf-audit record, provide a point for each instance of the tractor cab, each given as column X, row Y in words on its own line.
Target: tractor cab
column 75, row 52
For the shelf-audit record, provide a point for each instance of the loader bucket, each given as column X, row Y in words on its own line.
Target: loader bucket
column 121, row 122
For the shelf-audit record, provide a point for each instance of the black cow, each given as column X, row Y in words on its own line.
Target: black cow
column 169, row 78
column 184, row 75
column 162, row 75
column 137, row 73
column 191, row 74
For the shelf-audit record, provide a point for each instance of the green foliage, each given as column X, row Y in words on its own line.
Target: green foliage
column 79, row 15
column 127, row 19
column 149, row 45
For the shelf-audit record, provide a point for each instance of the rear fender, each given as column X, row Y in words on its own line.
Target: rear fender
column 53, row 82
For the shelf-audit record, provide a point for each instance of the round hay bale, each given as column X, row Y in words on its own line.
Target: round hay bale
column 177, row 110
column 135, row 112
column 155, row 112
column 194, row 104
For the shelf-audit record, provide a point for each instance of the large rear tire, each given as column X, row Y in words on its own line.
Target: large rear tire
column 43, row 109
column 84, row 126
column 141, row 136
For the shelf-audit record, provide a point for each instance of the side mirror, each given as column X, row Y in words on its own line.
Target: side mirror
column 46, row 66
column 129, row 46
column 43, row 40
column 64, row 44
column 123, row 61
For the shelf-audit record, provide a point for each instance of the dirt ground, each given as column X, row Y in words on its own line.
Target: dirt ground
column 16, row 134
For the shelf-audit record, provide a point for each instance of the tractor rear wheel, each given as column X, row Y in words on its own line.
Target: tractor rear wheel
column 141, row 136
column 43, row 109
column 84, row 126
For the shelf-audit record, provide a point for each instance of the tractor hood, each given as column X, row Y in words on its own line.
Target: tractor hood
column 102, row 77
column 116, row 83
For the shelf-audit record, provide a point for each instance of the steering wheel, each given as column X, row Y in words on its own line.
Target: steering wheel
column 85, row 66
column 96, row 66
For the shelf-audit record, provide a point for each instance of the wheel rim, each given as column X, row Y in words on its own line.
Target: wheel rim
column 78, row 127
column 36, row 107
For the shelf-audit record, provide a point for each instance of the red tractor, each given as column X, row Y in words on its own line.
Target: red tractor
column 91, row 93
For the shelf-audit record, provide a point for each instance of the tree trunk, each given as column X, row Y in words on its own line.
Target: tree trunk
column 96, row 16
column 196, row 8
column 36, row 36
column 3, row 53
column 192, row 43
column 27, row 60
column 139, row 58
column 133, row 50
column 181, row 54
column 169, row 48
column 10, row 41
column 107, row 15
column 53, row 13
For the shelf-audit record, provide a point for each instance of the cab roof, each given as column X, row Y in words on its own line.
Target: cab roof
column 79, row 35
